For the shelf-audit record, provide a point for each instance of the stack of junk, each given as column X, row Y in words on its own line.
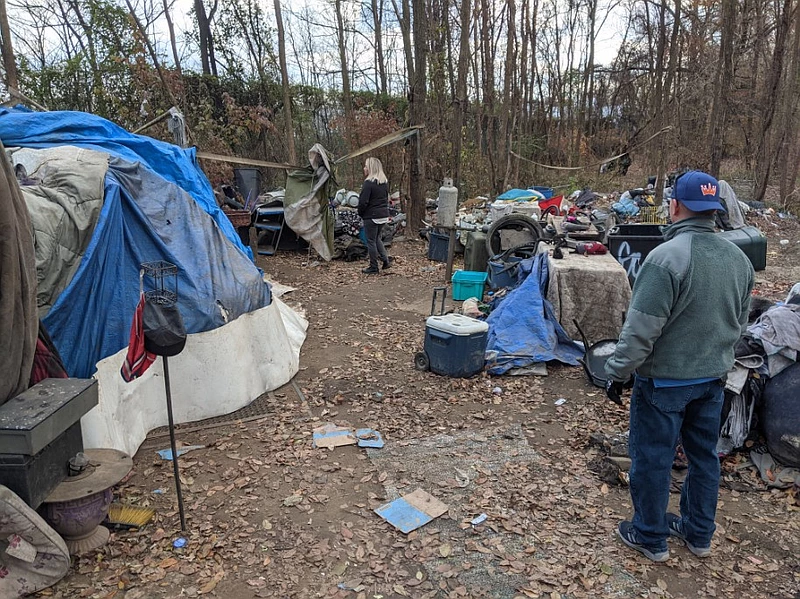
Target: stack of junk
column 101, row 202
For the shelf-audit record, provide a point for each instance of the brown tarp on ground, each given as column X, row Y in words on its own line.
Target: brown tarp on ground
column 19, row 321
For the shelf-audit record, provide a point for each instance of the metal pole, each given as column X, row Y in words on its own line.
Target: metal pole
column 172, row 444
column 451, row 250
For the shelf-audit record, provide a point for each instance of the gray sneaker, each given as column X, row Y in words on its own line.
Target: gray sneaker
column 628, row 535
column 676, row 530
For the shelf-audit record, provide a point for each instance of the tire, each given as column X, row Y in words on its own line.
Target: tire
column 511, row 221
column 421, row 362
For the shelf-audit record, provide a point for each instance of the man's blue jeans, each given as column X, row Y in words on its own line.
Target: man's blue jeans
column 658, row 417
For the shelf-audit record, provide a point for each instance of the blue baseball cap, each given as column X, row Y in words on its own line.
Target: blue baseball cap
column 698, row 191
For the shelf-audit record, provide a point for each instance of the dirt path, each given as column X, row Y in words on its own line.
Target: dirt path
column 272, row 517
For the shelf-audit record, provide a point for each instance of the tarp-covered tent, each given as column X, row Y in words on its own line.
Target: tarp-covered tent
column 147, row 214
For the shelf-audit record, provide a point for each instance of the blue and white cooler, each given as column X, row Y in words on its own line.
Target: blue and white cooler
column 454, row 346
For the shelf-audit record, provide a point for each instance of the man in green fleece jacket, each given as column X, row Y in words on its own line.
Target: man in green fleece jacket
column 689, row 307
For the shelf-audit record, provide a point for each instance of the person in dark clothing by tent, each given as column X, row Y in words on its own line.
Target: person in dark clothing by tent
column 373, row 208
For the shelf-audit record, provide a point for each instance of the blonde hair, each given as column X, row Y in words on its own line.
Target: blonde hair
column 375, row 170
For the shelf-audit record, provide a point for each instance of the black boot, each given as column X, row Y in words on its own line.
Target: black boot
column 387, row 263
column 370, row 270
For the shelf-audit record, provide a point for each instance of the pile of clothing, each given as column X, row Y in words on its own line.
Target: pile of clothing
column 763, row 388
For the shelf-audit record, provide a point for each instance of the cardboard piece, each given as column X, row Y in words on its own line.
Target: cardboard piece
column 330, row 436
column 368, row 437
column 412, row 511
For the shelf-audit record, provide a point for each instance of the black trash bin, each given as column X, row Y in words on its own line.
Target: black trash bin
column 630, row 245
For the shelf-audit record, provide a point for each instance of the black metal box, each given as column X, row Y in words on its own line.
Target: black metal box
column 33, row 477
column 35, row 418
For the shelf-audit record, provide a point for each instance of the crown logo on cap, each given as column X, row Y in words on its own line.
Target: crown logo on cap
column 708, row 189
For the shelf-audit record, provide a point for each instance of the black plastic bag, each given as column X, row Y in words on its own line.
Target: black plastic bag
column 164, row 333
column 781, row 416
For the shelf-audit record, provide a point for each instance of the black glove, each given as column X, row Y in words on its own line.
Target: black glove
column 614, row 391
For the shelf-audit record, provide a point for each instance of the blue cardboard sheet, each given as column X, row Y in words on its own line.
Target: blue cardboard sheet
column 523, row 329
column 402, row 515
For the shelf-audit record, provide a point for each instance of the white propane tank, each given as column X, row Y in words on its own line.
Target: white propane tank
column 448, row 204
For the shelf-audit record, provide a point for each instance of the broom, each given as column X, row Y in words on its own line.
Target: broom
column 122, row 515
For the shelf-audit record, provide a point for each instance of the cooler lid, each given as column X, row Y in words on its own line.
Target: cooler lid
column 457, row 324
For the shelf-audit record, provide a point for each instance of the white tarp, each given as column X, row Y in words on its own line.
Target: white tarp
column 218, row 372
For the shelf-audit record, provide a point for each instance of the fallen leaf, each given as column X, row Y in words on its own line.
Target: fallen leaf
column 445, row 550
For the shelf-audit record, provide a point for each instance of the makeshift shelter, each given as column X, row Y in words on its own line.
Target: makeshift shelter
column 103, row 201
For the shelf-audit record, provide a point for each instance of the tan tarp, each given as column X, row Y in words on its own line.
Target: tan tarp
column 64, row 209
column 19, row 323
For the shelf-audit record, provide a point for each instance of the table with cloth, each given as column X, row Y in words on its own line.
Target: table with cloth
column 593, row 290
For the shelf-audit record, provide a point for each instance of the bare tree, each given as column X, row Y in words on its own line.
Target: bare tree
column 287, row 96
column 9, row 60
column 204, row 19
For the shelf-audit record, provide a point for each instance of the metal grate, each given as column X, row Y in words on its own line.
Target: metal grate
column 258, row 408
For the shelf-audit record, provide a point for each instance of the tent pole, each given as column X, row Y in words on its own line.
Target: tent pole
column 172, row 444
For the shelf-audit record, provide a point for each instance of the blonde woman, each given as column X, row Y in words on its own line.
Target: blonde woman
column 373, row 208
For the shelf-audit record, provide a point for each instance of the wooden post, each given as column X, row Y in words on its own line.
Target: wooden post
column 451, row 250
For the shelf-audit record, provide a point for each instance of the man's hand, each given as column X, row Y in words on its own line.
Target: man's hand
column 614, row 391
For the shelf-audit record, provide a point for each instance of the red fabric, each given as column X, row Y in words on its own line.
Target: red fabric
column 137, row 360
column 45, row 364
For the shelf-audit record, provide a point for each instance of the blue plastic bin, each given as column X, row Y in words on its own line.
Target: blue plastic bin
column 503, row 274
column 547, row 192
column 438, row 244
column 467, row 284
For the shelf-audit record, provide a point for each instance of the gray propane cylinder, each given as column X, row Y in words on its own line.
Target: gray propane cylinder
column 448, row 204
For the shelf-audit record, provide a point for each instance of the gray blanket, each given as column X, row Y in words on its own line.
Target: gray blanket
column 18, row 321
column 64, row 209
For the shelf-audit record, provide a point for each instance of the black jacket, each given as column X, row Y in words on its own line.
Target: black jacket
column 373, row 202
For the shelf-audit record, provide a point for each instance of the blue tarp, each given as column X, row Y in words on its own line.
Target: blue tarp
column 521, row 194
column 145, row 217
column 523, row 329
column 20, row 127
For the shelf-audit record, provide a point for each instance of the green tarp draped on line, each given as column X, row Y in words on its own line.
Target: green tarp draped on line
column 305, row 205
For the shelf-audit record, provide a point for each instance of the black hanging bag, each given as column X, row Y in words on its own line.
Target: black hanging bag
column 164, row 333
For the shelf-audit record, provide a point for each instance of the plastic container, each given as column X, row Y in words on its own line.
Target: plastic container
column 476, row 256
column 455, row 344
column 437, row 246
column 547, row 192
column 630, row 245
column 503, row 274
column 529, row 209
column 468, row 283
column 752, row 242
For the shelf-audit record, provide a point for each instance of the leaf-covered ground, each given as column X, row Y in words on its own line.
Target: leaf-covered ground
column 270, row 516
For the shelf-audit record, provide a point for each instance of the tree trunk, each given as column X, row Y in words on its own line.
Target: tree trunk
column 204, row 19
column 377, row 17
column 764, row 155
column 508, row 84
column 416, row 207
column 9, row 61
column 172, row 41
column 346, row 98
column 287, row 97
column 460, row 99
column 722, row 87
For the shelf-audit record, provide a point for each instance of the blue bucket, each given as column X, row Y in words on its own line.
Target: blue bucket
column 503, row 274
